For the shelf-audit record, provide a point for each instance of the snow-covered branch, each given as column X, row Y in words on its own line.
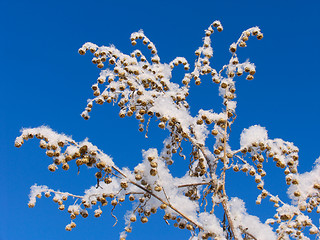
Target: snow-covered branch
column 144, row 88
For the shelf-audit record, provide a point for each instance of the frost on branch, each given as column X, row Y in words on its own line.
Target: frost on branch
column 143, row 88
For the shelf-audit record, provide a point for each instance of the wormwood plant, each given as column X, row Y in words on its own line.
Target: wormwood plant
column 142, row 87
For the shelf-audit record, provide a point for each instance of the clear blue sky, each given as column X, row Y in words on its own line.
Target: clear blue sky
column 45, row 81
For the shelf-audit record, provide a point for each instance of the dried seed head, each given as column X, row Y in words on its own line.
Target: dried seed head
column 65, row 166
column 108, row 180
column 182, row 225
column 52, row 167
column 163, row 206
column 249, row 77
column 124, row 184
column 144, row 219
column 260, row 186
column 68, row 228
column 97, row 213
column 153, row 172
column 316, row 186
column 138, row 177
column 84, row 213
column 153, row 164
column 98, row 175
column 50, row 153
column 114, row 202
column 133, row 218
column 158, row 188
column 214, row 132
column 162, row 125
column 31, row 205
column 259, row 36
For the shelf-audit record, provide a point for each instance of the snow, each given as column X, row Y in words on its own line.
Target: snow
column 253, row 134
column 251, row 223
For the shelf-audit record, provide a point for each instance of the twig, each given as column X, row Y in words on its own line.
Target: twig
column 193, row 184
column 114, row 216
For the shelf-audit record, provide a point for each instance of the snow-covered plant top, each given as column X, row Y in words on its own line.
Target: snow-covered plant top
column 142, row 87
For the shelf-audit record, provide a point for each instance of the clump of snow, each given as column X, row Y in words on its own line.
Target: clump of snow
column 210, row 223
column 307, row 182
column 251, row 223
column 253, row 134
column 35, row 191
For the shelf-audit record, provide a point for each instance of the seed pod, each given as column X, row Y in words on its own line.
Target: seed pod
column 153, row 172
column 144, row 219
column 252, row 172
column 153, row 164
column 316, row 186
column 249, row 77
column 65, row 166
column 214, row 132
column 163, row 206
column 257, row 179
column 114, row 202
column 84, row 213
column 108, row 180
column 97, row 213
column 182, row 225
column 259, row 36
column 31, row 205
column 190, row 227
column 167, row 216
column 52, row 167
column 219, row 28
column 297, row 194
column 100, row 65
column 124, row 184
column 302, row 207
column 260, row 186
column 50, row 153
column 68, row 228
column 244, row 168
column 98, row 175
column 133, row 219
column 217, row 151
column 252, row 71
column 138, row 177
column 144, row 182
column 158, row 188
column 162, row 125
column 199, row 121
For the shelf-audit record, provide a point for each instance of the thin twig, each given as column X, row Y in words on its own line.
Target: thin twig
column 193, row 184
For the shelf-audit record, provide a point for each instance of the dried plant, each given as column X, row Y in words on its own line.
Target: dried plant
column 142, row 87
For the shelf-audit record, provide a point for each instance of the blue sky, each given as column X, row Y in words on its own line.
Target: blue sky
column 44, row 81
